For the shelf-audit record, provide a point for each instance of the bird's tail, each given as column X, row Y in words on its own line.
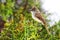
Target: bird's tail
column 46, row 27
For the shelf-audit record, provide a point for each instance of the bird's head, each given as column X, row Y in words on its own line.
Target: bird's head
column 33, row 8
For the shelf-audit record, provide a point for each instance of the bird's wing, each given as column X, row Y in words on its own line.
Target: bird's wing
column 39, row 16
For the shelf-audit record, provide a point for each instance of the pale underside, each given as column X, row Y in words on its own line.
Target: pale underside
column 35, row 18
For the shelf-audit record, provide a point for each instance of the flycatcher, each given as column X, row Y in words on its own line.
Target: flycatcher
column 36, row 15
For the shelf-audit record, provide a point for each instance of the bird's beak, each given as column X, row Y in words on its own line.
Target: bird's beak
column 29, row 10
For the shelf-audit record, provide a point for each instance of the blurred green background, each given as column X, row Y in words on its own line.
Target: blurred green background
column 19, row 23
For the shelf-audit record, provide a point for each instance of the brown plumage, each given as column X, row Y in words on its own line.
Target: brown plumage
column 36, row 15
column 43, row 20
column 39, row 16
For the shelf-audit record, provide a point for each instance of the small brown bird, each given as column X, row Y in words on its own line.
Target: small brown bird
column 36, row 15
column 2, row 22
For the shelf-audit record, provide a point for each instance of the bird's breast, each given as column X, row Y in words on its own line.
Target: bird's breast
column 36, row 19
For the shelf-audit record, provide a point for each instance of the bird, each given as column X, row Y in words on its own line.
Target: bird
column 37, row 16
column 2, row 22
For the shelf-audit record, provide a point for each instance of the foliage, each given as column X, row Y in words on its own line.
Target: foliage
column 20, row 25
